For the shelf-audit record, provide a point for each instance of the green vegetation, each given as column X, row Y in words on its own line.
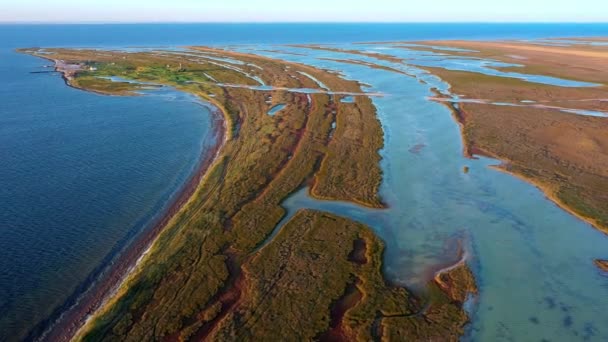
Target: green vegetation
column 563, row 154
column 353, row 130
column 585, row 202
column 306, row 272
column 105, row 86
column 204, row 271
column 513, row 90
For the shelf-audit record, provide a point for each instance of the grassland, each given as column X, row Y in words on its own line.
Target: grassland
column 575, row 62
column 204, row 277
column 565, row 154
column 311, row 265
column 514, row 91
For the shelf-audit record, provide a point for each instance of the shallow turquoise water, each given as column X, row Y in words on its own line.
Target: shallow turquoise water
column 532, row 260
column 81, row 174
column 275, row 109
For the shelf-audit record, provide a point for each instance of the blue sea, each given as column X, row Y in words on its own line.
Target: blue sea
column 82, row 174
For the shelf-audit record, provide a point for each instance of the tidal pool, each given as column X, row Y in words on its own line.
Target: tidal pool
column 276, row 109
column 533, row 261
column 348, row 99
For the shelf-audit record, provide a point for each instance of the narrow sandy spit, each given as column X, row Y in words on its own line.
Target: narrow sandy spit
column 64, row 324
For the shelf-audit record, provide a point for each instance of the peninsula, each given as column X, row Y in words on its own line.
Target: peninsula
column 228, row 262
column 214, row 270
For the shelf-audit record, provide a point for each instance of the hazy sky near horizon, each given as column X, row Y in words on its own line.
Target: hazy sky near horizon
column 303, row 10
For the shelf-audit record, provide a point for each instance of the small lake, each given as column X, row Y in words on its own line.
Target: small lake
column 275, row 109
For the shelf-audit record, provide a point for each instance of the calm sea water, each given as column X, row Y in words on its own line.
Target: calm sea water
column 80, row 174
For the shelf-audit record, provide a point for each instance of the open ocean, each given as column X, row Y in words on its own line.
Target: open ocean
column 82, row 174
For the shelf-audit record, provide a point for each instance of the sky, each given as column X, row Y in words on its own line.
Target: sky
column 62, row 11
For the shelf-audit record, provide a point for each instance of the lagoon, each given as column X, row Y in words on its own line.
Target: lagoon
column 83, row 174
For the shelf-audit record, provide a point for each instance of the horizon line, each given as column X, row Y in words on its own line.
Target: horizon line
column 107, row 22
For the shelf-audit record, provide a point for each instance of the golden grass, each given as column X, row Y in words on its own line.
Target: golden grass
column 202, row 273
column 565, row 155
column 583, row 63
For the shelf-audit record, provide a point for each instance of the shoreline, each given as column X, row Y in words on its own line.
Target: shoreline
column 65, row 322
column 80, row 319
column 463, row 257
column 549, row 194
column 471, row 152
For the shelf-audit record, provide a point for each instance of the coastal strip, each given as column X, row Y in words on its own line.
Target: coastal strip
column 65, row 321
